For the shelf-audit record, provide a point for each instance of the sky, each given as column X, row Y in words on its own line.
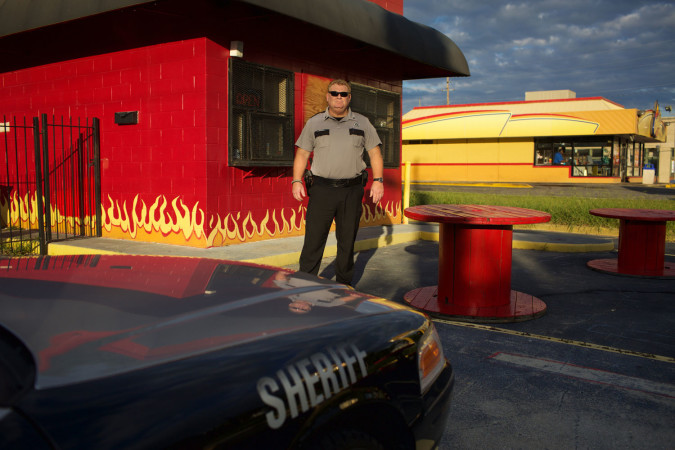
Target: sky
column 621, row 50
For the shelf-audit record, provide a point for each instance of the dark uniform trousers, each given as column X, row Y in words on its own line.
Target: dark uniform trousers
column 326, row 203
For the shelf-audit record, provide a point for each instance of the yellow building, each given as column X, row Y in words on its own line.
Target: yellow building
column 552, row 136
column 662, row 154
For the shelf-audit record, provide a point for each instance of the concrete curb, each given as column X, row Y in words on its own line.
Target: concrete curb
column 61, row 249
column 523, row 244
column 369, row 239
column 607, row 246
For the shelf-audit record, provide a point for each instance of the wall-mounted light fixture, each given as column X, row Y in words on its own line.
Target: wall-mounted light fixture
column 237, row 49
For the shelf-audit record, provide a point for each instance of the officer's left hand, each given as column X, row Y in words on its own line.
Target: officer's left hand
column 376, row 191
column 298, row 191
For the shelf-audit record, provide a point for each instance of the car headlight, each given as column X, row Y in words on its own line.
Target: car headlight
column 430, row 360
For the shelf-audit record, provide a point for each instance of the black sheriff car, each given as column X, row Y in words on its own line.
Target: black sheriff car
column 124, row 352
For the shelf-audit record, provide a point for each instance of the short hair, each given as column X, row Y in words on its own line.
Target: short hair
column 340, row 82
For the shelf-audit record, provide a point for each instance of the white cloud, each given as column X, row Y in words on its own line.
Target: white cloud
column 624, row 50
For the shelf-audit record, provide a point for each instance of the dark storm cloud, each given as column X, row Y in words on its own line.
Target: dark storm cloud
column 620, row 50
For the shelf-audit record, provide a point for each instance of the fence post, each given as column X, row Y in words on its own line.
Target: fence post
column 97, row 175
column 38, row 187
column 45, row 176
column 81, row 164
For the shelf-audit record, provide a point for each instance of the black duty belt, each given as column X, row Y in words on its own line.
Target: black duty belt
column 338, row 183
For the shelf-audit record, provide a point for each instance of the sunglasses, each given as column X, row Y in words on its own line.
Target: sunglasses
column 341, row 94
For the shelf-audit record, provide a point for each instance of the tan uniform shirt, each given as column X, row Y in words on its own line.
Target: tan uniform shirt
column 338, row 144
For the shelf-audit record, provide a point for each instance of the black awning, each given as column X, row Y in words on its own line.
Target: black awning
column 23, row 15
column 373, row 25
column 404, row 48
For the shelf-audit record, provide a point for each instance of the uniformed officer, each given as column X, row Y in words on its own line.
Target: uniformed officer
column 337, row 138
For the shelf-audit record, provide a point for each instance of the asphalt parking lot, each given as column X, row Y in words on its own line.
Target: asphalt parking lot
column 596, row 371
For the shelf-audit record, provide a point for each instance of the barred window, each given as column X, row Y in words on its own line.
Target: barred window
column 261, row 115
column 383, row 109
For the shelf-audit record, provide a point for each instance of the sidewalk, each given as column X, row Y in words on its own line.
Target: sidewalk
column 286, row 251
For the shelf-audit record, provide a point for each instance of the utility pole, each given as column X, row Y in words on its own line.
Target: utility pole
column 447, row 90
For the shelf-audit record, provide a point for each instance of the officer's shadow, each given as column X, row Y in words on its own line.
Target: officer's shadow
column 362, row 256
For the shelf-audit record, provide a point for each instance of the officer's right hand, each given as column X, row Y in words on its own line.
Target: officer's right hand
column 299, row 191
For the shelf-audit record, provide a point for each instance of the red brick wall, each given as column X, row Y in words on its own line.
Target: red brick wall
column 166, row 83
column 391, row 5
column 163, row 155
column 166, row 179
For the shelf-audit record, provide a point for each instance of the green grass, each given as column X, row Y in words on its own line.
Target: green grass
column 567, row 213
column 19, row 248
column 11, row 245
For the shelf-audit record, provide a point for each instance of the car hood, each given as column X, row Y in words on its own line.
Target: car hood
column 84, row 317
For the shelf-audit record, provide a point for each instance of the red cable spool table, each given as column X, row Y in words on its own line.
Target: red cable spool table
column 474, row 264
column 642, row 243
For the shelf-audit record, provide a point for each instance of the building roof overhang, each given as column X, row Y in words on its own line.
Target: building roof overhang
column 505, row 123
column 373, row 25
column 359, row 28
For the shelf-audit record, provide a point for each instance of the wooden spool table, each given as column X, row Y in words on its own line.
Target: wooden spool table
column 474, row 264
column 642, row 243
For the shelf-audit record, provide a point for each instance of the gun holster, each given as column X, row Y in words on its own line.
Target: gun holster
column 309, row 179
column 364, row 178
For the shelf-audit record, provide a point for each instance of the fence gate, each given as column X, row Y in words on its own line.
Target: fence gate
column 50, row 183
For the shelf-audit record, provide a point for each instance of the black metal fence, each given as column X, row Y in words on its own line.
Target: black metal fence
column 50, row 186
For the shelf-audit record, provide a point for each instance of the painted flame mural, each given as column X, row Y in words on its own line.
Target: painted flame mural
column 174, row 222
column 22, row 212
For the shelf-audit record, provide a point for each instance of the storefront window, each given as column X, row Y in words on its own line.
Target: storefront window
column 549, row 153
column 261, row 115
column 587, row 157
column 383, row 109
column 634, row 154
